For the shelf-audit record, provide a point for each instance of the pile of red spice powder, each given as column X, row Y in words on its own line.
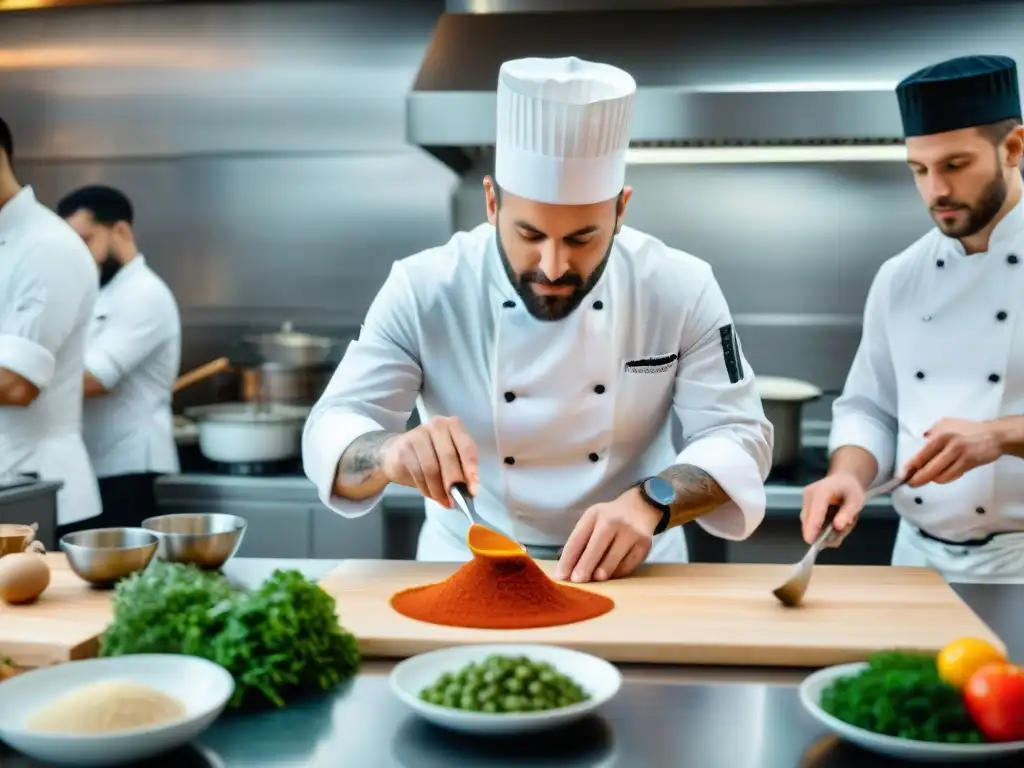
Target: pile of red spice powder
column 500, row 588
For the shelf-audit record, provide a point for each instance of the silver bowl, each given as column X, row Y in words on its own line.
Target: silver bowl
column 207, row 541
column 104, row 556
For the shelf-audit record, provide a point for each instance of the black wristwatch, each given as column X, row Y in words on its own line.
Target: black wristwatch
column 659, row 493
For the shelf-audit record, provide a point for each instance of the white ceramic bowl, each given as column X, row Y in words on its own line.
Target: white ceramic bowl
column 892, row 746
column 596, row 676
column 202, row 686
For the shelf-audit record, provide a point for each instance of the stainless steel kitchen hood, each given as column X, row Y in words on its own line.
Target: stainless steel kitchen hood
column 788, row 75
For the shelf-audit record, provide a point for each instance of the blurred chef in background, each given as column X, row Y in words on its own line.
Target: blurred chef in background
column 132, row 360
column 936, row 390
column 548, row 349
column 47, row 293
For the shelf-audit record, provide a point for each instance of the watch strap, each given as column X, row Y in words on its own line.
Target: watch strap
column 665, row 509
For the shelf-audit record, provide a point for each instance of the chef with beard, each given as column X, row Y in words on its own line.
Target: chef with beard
column 936, row 390
column 131, row 362
column 546, row 351
column 47, row 293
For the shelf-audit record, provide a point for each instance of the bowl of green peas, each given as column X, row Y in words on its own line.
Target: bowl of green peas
column 503, row 689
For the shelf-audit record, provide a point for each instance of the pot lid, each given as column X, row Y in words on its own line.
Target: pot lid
column 287, row 337
column 781, row 388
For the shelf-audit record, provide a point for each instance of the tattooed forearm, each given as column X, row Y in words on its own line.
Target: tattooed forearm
column 359, row 473
column 697, row 493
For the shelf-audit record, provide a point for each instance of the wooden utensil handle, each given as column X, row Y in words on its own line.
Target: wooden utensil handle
column 202, row 372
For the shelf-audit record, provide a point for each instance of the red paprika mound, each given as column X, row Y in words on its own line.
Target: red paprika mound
column 500, row 588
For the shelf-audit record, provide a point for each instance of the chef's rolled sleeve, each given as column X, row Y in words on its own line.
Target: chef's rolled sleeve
column 38, row 316
column 725, row 430
column 28, row 359
column 130, row 336
column 374, row 389
column 865, row 414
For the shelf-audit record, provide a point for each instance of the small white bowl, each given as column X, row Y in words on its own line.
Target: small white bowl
column 204, row 688
column 596, row 676
column 892, row 746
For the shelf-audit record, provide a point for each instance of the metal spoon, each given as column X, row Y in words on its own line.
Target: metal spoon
column 464, row 501
column 792, row 592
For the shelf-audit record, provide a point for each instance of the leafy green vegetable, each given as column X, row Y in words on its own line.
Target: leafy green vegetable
column 901, row 694
column 280, row 641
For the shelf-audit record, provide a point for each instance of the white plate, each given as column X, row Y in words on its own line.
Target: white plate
column 892, row 746
column 204, row 688
column 596, row 676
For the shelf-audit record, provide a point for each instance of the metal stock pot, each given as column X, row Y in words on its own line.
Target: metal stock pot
column 289, row 349
column 783, row 401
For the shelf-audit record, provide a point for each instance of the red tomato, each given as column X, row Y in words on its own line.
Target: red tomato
column 994, row 697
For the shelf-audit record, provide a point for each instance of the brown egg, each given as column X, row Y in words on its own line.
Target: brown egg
column 23, row 577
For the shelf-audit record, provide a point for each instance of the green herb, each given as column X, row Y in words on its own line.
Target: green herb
column 901, row 694
column 504, row 684
column 279, row 642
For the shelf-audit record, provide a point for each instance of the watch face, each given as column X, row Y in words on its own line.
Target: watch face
column 660, row 490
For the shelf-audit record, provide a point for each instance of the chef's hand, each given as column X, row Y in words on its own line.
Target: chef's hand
column 954, row 447
column 610, row 541
column 841, row 488
column 432, row 457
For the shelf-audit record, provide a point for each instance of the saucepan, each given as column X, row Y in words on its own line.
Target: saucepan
column 240, row 433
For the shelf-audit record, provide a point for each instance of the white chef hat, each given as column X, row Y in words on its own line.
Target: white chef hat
column 563, row 130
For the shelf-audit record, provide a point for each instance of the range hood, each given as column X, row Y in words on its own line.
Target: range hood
column 809, row 74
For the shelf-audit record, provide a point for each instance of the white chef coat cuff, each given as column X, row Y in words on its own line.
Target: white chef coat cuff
column 27, row 359
column 869, row 434
column 327, row 436
column 103, row 368
column 739, row 476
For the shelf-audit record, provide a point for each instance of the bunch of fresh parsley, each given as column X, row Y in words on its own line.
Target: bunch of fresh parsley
column 279, row 641
column 901, row 694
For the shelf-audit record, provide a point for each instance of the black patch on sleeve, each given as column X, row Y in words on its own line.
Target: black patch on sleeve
column 731, row 353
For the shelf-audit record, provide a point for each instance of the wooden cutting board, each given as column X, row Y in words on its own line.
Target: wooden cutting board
column 699, row 613
column 65, row 623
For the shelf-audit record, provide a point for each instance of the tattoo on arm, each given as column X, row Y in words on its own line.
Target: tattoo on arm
column 697, row 493
column 359, row 471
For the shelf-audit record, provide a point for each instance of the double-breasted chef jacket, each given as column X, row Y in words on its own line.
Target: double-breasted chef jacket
column 48, row 287
column 134, row 351
column 944, row 338
column 564, row 414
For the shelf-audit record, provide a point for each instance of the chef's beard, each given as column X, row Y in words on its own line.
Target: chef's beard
column 979, row 215
column 551, row 307
column 109, row 269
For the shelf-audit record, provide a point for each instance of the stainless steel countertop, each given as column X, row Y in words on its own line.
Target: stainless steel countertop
column 664, row 717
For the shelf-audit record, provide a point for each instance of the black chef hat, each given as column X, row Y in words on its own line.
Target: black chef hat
column 965, row 92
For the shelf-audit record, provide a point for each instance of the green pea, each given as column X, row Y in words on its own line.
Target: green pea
column 514, row 685
column 536, row 688
column 489, row 706
column 467, row 702
column 524, row 672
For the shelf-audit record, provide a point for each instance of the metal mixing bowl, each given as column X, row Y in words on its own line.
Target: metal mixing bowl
column 208, row 541
column 105, row 555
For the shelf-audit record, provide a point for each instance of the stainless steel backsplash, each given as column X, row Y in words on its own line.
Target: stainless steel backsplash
column 263, row 146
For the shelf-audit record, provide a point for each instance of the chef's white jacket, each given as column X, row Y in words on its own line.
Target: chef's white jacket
column 564, row 414
column 134, row 351
column 944, row 337
column 48, row 286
